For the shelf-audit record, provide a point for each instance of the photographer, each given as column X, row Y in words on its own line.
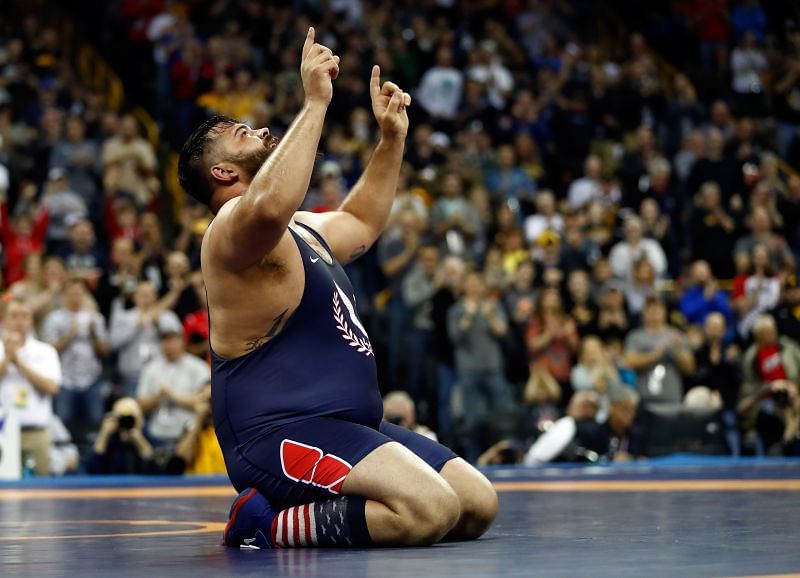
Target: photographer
column 770, row 361
column 778, row 419
column 398, row 408
column 579, row 437
column 786, row 398
column 121, row 447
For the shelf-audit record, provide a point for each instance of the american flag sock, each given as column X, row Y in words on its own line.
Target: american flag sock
column 341, row 522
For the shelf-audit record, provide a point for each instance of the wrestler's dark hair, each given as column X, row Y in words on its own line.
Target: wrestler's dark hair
column 192, row 170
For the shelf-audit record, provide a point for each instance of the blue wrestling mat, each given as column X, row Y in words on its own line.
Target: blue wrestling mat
column 677, row 516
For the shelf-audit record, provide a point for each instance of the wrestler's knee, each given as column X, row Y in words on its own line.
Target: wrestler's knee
column 477, row 498
column 426, row 513
column 478, row 511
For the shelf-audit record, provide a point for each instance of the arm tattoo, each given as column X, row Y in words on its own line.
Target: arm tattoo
column 357, row 253
column 256, row 343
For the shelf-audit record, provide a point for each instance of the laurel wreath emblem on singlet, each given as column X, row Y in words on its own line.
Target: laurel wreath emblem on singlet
column 360, row 344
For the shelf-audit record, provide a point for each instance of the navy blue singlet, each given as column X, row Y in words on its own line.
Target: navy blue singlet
column 320, row 364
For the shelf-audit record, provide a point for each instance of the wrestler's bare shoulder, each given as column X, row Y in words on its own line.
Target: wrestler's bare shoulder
column 245, row 303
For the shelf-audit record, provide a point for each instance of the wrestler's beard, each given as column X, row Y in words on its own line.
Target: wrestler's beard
column 251, row 162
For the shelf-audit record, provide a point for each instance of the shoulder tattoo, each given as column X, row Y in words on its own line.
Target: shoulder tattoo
column 357, row 253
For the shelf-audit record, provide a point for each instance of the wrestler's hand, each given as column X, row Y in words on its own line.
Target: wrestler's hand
column 389, row 104
column 318, row 68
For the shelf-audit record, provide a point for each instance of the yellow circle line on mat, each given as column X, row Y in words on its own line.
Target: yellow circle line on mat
column 198, row 528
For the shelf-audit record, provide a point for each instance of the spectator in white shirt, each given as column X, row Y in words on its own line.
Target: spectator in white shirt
column 30, row 375
column 748, row 63
column 440, row 88
column 546, row 217
column 590, row 186
column 169, row 388
column 587, row 188
column 625, row 254
column 488, row 69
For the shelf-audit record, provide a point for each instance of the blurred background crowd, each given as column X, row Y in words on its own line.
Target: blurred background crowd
column 595, row 231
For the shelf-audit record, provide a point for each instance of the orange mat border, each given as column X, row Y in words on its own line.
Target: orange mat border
column 554, row 486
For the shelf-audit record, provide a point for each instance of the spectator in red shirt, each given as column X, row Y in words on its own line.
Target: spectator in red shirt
column 22, row 234
column 195, row 325
column 552, row 339
column 121, row 219
column 711, row 18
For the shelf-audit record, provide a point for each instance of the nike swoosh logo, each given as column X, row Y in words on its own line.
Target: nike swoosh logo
column 314, row 259
column 249, row 541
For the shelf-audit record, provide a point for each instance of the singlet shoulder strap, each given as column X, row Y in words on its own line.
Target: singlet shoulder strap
column 317, row 236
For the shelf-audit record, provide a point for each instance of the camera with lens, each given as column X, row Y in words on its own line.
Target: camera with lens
column 394, row 418
column 126, row 422
column 780, row 398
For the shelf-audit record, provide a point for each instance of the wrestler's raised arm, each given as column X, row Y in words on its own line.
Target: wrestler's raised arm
column 360, row 220
column 249, row 226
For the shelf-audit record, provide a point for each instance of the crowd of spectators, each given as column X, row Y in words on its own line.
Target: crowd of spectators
column 588, row 224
